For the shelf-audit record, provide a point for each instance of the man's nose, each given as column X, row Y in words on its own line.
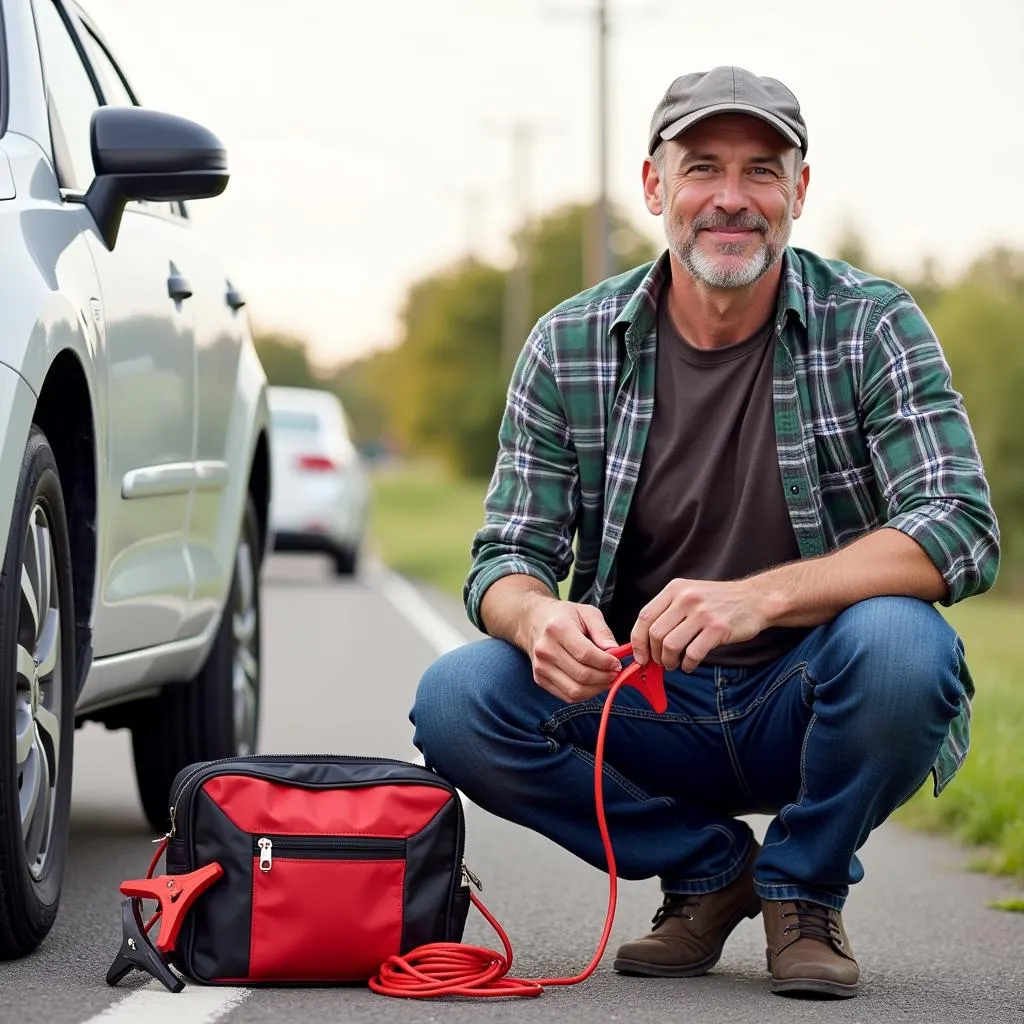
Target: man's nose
column 730, row 196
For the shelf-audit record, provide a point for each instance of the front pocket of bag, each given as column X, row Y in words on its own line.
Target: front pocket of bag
column 325, row 909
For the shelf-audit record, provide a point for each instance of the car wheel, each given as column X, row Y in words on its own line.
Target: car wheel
column 346, row 561
column 217, row 713
column 37, row 699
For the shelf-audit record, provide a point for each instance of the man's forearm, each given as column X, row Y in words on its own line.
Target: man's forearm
column 506, row 606
column 884, row 563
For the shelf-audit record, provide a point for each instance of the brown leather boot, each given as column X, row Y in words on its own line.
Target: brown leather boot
column 808, row 951
column 690, row 930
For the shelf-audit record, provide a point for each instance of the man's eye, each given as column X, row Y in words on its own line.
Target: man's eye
column 701, row 169
column 763, row 171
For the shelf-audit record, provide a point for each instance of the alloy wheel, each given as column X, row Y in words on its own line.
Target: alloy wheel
column 38, row 690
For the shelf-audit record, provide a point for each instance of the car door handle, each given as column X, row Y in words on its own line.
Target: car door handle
column 234, row 298
column 178, row 287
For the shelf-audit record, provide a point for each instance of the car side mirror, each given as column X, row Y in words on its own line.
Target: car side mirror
column 139, row 153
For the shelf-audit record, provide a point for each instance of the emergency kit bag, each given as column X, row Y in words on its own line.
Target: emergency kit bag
column 318, row 869
column 312, row 869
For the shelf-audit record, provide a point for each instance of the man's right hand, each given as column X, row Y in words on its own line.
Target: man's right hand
column 567, row 644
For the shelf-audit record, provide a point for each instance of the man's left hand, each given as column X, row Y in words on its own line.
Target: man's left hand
column 690, row 618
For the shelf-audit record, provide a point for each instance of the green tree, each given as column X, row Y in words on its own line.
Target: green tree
column 556, row 242
column 446, row 389
column 285, row 359
column 979, row 322
column 441, row 392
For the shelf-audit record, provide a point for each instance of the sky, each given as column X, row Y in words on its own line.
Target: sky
column 370, row 143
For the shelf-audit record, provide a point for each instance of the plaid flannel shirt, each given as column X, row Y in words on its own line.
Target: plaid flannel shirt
column 869, row 430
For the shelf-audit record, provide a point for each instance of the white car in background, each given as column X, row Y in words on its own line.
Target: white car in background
column 321, row 486
column 134, row 449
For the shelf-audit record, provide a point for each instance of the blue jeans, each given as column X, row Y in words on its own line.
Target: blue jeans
column 829, row 739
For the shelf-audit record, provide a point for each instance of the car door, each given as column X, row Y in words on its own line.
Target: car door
column 220, row 329
column 146, row 320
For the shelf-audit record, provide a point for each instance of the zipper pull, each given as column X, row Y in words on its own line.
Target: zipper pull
column 265, row 846
column 174, row 808
column 470, row 879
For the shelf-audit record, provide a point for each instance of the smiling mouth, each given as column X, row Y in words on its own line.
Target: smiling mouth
column 731, row 232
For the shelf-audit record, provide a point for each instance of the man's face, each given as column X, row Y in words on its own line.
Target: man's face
column 728, row 192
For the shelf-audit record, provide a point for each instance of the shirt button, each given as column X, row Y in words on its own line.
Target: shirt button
column 795, row 489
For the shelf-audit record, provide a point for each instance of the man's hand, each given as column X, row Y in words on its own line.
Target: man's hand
column 690, row 618
column 566, row 648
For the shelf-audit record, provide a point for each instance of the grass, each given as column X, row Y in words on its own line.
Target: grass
column 423, row 521
column 984, row 805
column 423, row 524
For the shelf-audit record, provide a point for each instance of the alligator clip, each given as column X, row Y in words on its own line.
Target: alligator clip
column 137, row 952
column 649, row 679
column 175, row 894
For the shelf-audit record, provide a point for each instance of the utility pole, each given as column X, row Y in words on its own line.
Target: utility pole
column 472, row 205
column 597, row 262
column 597, row 254
column 600, row 262
column 518, row 292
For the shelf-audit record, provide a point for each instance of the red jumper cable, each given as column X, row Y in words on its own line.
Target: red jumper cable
column 455, row 969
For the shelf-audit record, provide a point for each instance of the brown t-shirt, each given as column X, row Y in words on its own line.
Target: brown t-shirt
column 709, row 503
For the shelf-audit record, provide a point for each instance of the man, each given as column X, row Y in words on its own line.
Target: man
column 769, row 480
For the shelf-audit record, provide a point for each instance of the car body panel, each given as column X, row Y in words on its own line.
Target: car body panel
column 146, row 581
column 17, row 403
column 26, row 97
column 48, row 283
column 177, row 393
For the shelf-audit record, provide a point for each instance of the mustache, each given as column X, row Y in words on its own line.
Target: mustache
column 744, row 221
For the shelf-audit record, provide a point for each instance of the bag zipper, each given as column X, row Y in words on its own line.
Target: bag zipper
column 199, row 769
column 327, row 848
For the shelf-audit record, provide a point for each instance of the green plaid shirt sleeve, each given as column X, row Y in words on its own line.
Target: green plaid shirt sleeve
column 926, row 463
column 529, row 508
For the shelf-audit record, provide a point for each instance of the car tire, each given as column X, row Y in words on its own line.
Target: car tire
column 346, row 561
column 217, row 713
column 37, row 702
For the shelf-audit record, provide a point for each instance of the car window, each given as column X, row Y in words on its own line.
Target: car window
column 111, row 81
column 294, row 422
column 71, row 97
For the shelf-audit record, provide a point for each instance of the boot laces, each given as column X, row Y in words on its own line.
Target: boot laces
column 676, row 905
column 814, row 922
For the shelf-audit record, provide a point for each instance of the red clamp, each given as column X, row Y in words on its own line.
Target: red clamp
column 175, row 894
column 649, row 679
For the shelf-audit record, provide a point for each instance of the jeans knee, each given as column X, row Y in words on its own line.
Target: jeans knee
column 460, row 696
column 902, row 661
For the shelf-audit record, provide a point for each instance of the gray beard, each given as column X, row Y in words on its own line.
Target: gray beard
column 706, row 268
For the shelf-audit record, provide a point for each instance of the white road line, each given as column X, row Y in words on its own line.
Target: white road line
column 197, row 1004
column 437, row 631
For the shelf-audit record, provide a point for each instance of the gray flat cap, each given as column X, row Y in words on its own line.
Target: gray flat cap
column 727, row 90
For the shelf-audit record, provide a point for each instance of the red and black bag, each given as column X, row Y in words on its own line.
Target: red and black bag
column 331, row 864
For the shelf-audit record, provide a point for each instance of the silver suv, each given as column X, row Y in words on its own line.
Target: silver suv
column 134, row 470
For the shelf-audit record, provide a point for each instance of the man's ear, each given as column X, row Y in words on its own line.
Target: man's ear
column 802, row 181
column 652, row 187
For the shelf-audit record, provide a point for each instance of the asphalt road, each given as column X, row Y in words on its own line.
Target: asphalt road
column 341, row 661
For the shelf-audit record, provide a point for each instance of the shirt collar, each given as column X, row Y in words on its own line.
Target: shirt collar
column 639, row 316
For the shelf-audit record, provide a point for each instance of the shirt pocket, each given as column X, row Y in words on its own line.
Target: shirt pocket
column 850, row 503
